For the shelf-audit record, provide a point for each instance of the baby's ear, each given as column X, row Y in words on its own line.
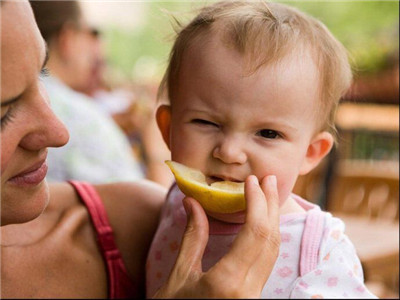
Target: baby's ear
column 318, row 148
column 163, row 116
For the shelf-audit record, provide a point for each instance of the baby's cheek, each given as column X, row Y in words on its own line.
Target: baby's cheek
column 285, row 187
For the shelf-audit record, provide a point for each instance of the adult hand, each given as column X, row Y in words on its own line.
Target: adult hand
column 244, row 270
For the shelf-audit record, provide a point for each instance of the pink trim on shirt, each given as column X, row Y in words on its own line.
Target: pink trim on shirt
column 221, row 228
column 119, row 283
column 311, row 240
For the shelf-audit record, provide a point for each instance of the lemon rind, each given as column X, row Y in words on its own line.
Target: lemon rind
column 218, row 200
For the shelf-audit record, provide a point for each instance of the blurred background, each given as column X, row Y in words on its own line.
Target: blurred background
column 358, row 181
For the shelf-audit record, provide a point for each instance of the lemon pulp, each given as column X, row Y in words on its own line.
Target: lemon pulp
column 219, row 197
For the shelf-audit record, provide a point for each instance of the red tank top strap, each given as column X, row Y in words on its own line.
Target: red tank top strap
column 119, row 283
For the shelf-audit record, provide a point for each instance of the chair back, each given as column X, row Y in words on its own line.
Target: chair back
column 310, row 186
column 363, row 189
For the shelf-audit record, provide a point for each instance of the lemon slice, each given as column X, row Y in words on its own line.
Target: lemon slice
column 219, row 197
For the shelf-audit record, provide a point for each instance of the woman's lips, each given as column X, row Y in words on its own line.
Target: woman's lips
column 32, row 176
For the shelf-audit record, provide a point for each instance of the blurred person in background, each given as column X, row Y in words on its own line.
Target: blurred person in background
column 98, row 150
column 132, row 106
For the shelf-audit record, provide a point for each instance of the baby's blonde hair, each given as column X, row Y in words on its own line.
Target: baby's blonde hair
column 265, row 33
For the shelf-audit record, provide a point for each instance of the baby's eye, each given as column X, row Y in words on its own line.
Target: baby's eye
column 204, row 122
column 268, row 134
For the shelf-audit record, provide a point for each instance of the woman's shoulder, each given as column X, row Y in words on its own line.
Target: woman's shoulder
column 62, row 197
column 132, row 206
column 127, row 204
column 140, row 192
column 119, row 197
column 133, row 209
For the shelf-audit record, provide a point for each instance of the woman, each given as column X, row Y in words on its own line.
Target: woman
column 51, row 242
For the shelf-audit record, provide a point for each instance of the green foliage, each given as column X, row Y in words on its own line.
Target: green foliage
column 131, row 53
column 368, row 29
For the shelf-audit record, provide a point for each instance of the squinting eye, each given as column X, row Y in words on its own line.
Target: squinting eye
column 268, row 134
column 204, row 122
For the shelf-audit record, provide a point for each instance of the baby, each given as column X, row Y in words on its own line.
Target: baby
column 253, row 88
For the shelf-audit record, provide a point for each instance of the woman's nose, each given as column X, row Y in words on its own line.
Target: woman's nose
column 46, row 130
column 230, row 150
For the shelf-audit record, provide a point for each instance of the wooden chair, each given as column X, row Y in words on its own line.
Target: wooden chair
column 366, row 197
column 311, row 186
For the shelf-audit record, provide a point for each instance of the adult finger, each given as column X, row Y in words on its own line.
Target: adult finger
column 270, row 190
column 257, row 243
column 194, row 241
column 260, row 270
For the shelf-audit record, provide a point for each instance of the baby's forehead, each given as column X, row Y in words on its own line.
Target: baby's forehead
column 212, row 46
column 217, row 35
column 215, row 66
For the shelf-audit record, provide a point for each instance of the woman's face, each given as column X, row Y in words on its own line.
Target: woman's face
column 28, row 125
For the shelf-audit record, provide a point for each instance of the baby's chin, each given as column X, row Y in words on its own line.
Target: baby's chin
column 237, row 218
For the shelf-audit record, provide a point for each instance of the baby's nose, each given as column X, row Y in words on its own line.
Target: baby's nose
column 231, row 150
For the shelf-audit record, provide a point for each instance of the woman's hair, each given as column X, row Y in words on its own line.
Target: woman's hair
column 51, row 16
column 265, row 33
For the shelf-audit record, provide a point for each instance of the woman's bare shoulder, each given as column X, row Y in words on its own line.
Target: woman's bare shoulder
column 133, row 209
column 125, row 202
column 127, row 196
column 141, row 191
column 132, row 203
column 62, row 196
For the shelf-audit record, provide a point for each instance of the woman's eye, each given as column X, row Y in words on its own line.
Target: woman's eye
column 204, row 122
column 44, row 73
column 268, row 134
column 6, row 118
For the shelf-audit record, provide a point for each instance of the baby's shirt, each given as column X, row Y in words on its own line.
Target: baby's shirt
column 316, row 259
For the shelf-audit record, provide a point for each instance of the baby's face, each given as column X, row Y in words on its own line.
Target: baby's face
column 230, row 125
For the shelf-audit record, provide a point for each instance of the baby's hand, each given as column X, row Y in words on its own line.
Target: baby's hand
column 244, row 270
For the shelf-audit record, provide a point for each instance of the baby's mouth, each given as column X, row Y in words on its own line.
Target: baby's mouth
column 216, row 178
